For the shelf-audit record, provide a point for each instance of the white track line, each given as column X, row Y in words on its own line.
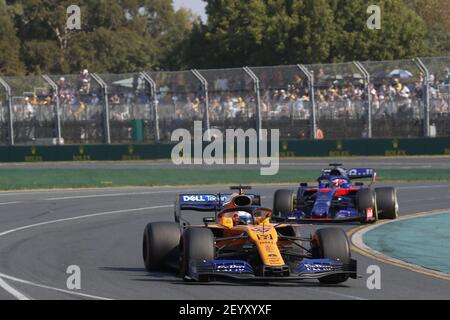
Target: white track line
column 84, row 295
column 342, row 295
column 108, row 195
column 17, row 294
column 424, row 187
column 8, row 203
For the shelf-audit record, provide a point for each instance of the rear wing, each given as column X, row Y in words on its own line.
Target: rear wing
column 205, row 202
column 361, row 173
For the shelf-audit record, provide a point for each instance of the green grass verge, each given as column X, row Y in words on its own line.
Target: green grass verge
column 17, row 179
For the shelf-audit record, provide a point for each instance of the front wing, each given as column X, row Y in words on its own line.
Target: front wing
column 343, row 216
column 242, row 270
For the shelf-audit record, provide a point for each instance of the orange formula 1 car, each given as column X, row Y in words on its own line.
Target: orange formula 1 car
column 240, row 242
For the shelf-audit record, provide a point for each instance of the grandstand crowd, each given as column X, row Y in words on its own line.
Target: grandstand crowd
column 282, row 96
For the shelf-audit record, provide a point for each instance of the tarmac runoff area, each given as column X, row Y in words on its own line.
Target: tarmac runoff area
column 423, row 240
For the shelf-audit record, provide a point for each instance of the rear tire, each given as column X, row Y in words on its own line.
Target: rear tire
column 387, row 203
column 365, row 199
column 299, row 199
column 160, row 244
column 197, row 246
column 283, row 203
column 332, row 243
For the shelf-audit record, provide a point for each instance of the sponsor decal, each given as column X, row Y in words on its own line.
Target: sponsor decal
column 317, row 267
column 264, row 236
column 369, row 214
column 34, row 157
column 285, row 153
column 131, row 156
column 360, row 172
column 230, row 268
column 396, row 151
column 339, row 151
column 82, row 156
column 203, row 198
column 261, row 229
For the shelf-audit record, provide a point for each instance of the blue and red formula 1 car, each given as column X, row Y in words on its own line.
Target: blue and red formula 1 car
column 337, row 199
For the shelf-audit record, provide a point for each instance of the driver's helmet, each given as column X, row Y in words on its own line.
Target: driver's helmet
column 338, row 182
column 243, row 218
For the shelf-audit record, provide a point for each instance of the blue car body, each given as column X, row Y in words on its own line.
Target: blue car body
column 328, row 202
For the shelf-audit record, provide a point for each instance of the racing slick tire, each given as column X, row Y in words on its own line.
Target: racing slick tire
column 387, row 203
column 160, row 244
column 366, row 198
column 300, row 202
column 283, row 203
column 332, row 243
column 197, row 244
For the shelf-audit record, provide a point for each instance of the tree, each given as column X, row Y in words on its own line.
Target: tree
column 262, row 32
column 401, row 36
column 116, row 35
column 10, row 63
column 314, row 33
column 235, row 32
column 436, row 14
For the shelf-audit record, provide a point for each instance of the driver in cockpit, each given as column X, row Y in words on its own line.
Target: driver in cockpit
column 243, row 218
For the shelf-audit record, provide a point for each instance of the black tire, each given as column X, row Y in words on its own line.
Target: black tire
column 300, row 203
column 387, row 203
column 197, row 246
column 332, row 243
column 366, row 198
column 160, row 244
column 283, row 203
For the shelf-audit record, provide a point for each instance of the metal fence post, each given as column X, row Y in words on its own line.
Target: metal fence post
column 258, row 100
column 153, row 91
column 310, row 76
column 204, row 84
column 426, row 119
column 104, row 86
column 58, row 110
column 10, row 110
column 367, row 79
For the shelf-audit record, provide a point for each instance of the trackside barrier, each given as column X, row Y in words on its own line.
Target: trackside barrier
column 288, row 148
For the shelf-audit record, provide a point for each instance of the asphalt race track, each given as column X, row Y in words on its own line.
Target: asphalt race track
column 42, row 233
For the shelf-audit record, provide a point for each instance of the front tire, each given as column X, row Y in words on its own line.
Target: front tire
column 283, row 203
column 197, row 246
column 387, row 203
column 332, row 243
column 160, row 244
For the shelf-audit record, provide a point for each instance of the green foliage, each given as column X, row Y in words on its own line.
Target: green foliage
column 401, row 35
column 116, row 36
column 436, row 14
column 10, row 63
column 132, row 35
column 271, row 32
